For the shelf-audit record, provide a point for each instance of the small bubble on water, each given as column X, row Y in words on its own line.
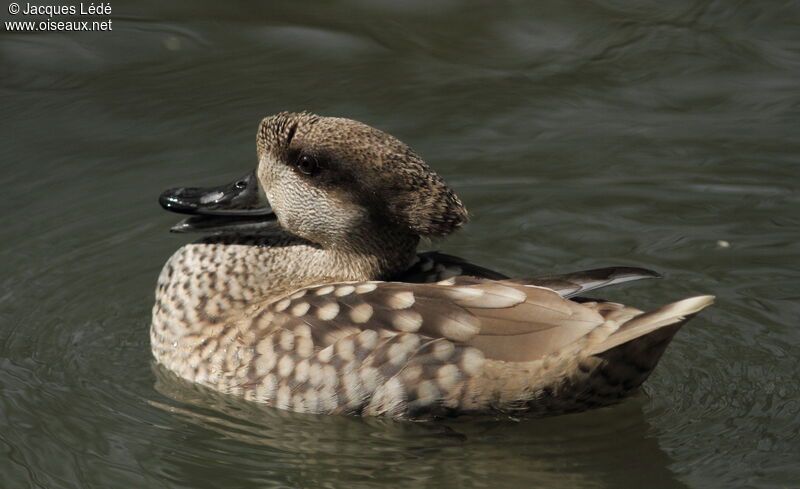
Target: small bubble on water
column 172, row 43
column 723, row 244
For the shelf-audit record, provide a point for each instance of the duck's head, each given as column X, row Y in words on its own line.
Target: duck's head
column 328, row 180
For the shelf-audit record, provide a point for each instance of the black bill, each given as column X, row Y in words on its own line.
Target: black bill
column 239, row 206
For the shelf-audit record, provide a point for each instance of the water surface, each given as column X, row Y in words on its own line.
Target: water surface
column 579, row 134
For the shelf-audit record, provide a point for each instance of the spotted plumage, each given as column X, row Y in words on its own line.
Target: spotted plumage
column 332, row 310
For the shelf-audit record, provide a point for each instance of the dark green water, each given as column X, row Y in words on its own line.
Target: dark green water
column 579, row 134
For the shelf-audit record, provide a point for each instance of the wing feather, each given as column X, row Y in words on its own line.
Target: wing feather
column 573, row 284
column 506, row 320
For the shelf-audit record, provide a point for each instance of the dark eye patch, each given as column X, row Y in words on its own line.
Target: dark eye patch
column 307, row 163
column 329, row 171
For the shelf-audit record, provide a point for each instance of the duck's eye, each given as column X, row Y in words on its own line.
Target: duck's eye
column 241, row 184
column 307, row 164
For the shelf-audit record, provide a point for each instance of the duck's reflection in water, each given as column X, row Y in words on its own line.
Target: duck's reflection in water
column 256, row 444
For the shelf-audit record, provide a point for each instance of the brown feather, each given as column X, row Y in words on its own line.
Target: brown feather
column 648, row 322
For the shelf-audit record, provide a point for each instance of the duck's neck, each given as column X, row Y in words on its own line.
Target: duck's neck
column 377, row 254
column 370, row 256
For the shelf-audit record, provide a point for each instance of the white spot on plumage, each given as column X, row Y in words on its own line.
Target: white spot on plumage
column 265, row 347
column 298, row 294
column 335, row 335
column 458, row 327
column 312, row 400
column 398, row 353
column 412, row 373
column 369, row 378
column 285, row 366
column 325, row 290
column 302, row 330
column 368, row 339
column 304, row 346
column 447, row 376
column 410, row 341
column 361, row 313
column 427, row 392
column 353, row 389
column 345, row 349
column 299, row 403
column 300, row 309
column 492, row 296
column 328, row 311
column 266, row 388
column 443, row 350
column 408, row 321
column 365, row 288
column 328, row 401
column 329, row 376
column 472, row 361
column 325, row 354
column 281, row 305
column 395, row 392
column 344, row 290
column 463, row 293
column 315, row 374
column 401, row 299
column 264, row 320
column 301, row 371
column 283, row 397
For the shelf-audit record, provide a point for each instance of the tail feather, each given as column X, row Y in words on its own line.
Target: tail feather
column 649, row 322
column 628, row 356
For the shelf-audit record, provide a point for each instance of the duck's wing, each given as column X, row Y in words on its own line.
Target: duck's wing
column 505, row 320
column 434, row 267
column 573, row 284
column 389, row 348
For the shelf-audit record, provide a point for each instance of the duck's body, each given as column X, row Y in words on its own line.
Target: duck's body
column 340, row 314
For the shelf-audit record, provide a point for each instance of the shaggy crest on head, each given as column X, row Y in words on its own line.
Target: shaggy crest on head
column 363, row 166
column 333, row 309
